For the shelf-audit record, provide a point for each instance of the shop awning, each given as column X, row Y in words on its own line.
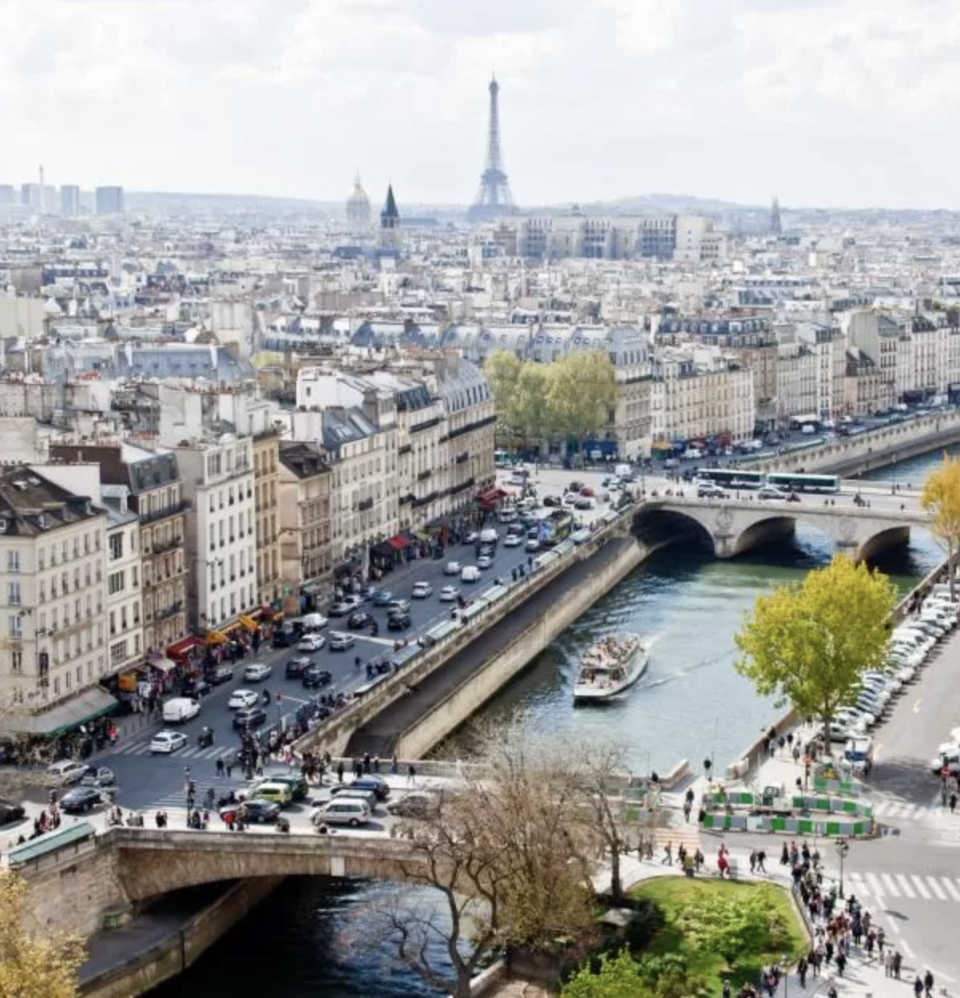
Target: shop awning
column 248, row 622
column 216, row 638
column 309, row 588
column 184, row 645
column 399, row 542
column 163, row 665
column 492, row 495
column 383, row 550
column 65, row 716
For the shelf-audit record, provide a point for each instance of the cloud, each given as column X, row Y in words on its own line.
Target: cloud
column 600, row 98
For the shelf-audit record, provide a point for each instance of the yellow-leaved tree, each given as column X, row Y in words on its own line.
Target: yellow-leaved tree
column 941, row 498
column 33, row 963
column 810, row 642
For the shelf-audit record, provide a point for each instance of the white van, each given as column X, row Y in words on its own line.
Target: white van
column 179, row 710
column 489, row 535
column 342, row 811
column 469, row 573
column 66, row 771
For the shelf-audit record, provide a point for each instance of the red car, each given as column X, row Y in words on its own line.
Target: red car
column 587, row 491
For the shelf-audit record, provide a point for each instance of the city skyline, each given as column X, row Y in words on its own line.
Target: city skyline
column 604, row 100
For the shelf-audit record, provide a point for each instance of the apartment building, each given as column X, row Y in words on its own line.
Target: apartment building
column 829, row 348
column 150, row 485
column 305, row 525
column 863, row 385
column 796, row 381
column 53, row 592
column 218, row 486
column 124, row 572
column 266, row 474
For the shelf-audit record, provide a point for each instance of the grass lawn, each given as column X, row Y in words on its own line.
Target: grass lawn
column 673, row 893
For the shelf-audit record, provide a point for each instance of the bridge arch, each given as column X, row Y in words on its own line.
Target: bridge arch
column 655, row 527
column 882, row 541
column 772, row 528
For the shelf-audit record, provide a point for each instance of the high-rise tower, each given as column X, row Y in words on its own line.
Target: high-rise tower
column 493, row 198
column 776, row 226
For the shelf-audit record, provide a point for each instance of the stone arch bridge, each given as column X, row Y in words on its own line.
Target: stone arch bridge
column 733, row 527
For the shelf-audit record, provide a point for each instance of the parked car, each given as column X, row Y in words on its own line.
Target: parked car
column 165, row 742
column 268, row 789
column 452, row 568
column 416, row 804
column 551, row 500
column 285, row 636
column 67, row 771
column 256, row 672
column 10, row 812
column 196, row 688
column 219, row 674
column 359, row 620
column 81, row 799
column 346, row 606
column 258, row 812
column 710, row 490
column 98, row 776
column 369, row 782
column 342, row 812
column 400, row 605
column 341, row 640
column 311, row 642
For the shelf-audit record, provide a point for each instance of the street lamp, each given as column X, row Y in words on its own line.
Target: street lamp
column 843, row 847
column 786, row 975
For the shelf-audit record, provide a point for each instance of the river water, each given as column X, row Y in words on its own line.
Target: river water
column 311, row 939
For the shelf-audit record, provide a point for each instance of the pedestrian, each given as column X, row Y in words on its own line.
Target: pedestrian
column 928, row 983
column 802, row 971
column 366, row 762
column 784, row 855
column 753, row 861
column 761, row 861
column 888, row 965
column 220, row 767
column 917, row 986
column 841, row 962
column 340, row 771
column 667, row 859
column 394, row 765
column 832, row 993
column 897, row 963
column 411, row 775
column 953, row 802
column 881, row 939
column 726, row 989
column 687, row 807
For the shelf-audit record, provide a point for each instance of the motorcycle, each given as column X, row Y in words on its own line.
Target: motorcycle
column 205, row 737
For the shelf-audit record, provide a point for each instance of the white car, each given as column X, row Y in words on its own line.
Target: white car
column 256, row 672
column 422, row 590
column 570, row 500
column 452, row 568
column 241, row 699
column 484, row 561
column 67, row 771
column 512, row 541
column 449, row 594
column 771, row 492
column 311, row 642
column 167, row 741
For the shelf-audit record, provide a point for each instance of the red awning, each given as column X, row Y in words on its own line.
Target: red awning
column 399, row 542
column 181, row 647
column 492, row 495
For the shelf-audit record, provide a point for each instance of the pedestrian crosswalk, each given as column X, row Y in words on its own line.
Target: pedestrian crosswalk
column 888, row 809
column 189, row 752
column 912, row 886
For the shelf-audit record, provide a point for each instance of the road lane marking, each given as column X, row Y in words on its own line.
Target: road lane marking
column 905, row 886
column 907, row 951
column 921, row 887
column 877, row 751
column 951, row 890
column 874, row 883
column 893, row 889
column 935, row 887
column 916, row 706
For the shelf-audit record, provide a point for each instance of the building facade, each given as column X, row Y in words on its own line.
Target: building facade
column 305, row 525
column 124, row 570
column 266, row 472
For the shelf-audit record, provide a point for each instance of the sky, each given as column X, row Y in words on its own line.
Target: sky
column 821, row 102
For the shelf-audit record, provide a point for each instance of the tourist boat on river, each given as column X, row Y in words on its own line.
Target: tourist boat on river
column 612, row 665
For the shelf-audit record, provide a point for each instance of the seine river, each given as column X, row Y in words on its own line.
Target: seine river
column 311, row 939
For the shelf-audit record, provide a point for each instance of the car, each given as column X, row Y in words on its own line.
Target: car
column 575, row 486
column 584, row 502
column 299, row 788
column 771, row 492
column 285, row 636
column 296, row 667
column 383, row 598
column 315, row 677
column 449, row 594
column 258, row 812
column 249, row 717
column 165, row 742
column 421, row 590
column 311, row 642
column 81, row 799
column 377, row 784
column 484, row 561
column 416, row 804
column 241, row 699
column 341, row 812
column 256, row 672
column 346, row 606
column 710, row 490
column 359, row 619
column 67, row 771
column 532, row 545
column 569, row 500
column 196, row 688
column 179, row 710
column 452, row 568
column 512, row 541
column 551, row 500
column 268, row 789
column 398, row 621
column 399, row 605
column 341, row 640
column 219, row 674
column 587, row 491
column 472, row 537
column 98, row 776
column 10, row 812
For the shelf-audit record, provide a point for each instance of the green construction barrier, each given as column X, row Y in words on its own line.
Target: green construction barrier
column 735, row 798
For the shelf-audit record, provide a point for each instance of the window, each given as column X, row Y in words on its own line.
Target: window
column 116, row 545
column 135, row 574
column 136, row 613
column 118, row 652
column 115, row 583
column 16, row 661
column 13, row 593
column 13, row 561
column 16, row 627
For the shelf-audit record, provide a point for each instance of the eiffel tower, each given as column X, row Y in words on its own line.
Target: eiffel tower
column 493, row 198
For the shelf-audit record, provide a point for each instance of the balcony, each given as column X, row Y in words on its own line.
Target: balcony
column 365, row 504
column 462, row 458
column 169, row 545
column 424, row 475
column 169, row 611
column 162, row 514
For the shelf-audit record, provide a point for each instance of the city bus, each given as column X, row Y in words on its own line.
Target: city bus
column 501, row 459
column 804, row 483
column 731, row 478
column 556, row 528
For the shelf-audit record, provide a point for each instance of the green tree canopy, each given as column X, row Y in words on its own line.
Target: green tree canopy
column 733, row 924
column 583, row 391
column 941, row 497
column 811, row 642
column 502, row 368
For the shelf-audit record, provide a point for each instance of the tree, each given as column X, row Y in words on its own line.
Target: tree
column 502, row 368
column 616, row 977
column 532, row 411
column 941, row 497
column 811, row 642
column 733, row 923
column 33, row 964
column 583, row 391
